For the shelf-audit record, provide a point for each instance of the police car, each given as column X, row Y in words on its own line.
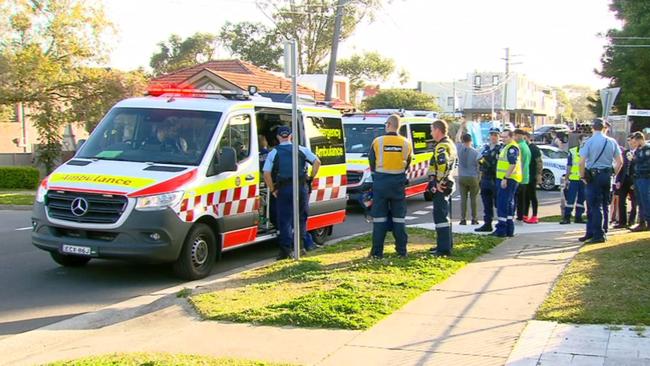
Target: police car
column 555, row 163
column 362, row 128
column 175, row 177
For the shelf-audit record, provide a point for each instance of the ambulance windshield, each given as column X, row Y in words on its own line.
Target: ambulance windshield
column 165, row 136
column 359, row 136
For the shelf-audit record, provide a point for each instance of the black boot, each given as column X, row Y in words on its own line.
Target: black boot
column 486, row 228
column 565, row 221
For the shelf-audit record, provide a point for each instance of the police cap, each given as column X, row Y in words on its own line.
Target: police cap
column 495, row 130
column 284, row 131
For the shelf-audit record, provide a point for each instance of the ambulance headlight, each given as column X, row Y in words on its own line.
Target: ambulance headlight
column 159, row 201
column 41, row 192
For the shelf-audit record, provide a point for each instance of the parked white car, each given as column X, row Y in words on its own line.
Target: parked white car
column 555, row 162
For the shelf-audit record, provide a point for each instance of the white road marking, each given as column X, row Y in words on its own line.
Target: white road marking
column 24, row 228
column 410, row 218
column 429, row 207
column 421, row 212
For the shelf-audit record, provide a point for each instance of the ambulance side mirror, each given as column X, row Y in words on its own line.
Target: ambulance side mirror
column 227, row 161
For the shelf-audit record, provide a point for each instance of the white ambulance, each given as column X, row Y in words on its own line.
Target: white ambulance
column 362, row 128
column 175, row 177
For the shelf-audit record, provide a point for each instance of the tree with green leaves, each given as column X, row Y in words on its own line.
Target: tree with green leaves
column 365, row 67
column 177, row 53
column 311, row 24
column 627, row 66
column 564, row 106
column 253, row 42
column 401, row 99
column 44, row 49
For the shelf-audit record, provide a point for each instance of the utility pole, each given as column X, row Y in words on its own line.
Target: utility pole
column 505, row 86
column 335, row 47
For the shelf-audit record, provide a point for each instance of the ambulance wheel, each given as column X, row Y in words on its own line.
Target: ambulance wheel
column 198, row 254
column 428, row 196
column 320, row 235
column 69, row 260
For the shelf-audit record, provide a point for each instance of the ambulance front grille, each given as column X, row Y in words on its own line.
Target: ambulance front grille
column 100, row 208
column 354, row 177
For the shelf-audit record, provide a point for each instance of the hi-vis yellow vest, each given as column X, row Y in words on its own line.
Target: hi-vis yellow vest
column 391, row 154
column 503, row 165
column 443, row 159
column 575, row 163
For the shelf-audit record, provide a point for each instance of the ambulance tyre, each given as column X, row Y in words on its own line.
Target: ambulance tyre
column 428, row 196
column 198, row 254
column 69, row 260
column 320, row 235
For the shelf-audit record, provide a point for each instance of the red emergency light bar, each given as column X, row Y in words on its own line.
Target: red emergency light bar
column 191, row 92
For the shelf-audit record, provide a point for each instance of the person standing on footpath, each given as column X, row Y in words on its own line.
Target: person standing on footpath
column 488, row 165
column 468, row 179
column 575, row 196
column 278, row 176
column 535, row 177
column 623, row 184
column 596, row 160
column 525, row 170
column 441, row 185
column 389, row 156
column 509, row 175
column 642, row 180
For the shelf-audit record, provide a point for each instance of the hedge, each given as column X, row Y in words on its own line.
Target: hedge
column 19, row 177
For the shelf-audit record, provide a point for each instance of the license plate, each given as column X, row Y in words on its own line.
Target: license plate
column 75, row 249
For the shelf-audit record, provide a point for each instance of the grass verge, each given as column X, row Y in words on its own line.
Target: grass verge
column 338, row 286
column 159, row 359
column 553, row 218
column 16, row 198
column 605, row 283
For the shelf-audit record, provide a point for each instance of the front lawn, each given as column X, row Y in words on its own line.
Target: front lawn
column 338, row 286
column 9, row 198
column 159, row 359
column 605, row 283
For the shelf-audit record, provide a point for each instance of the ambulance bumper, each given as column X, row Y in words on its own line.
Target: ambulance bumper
column 151, row 236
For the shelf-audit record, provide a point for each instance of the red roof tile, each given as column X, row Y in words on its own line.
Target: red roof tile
column 240, row 73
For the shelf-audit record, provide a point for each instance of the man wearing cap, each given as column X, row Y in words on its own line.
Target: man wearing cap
column 278, row 175
column 488, row 167
column 389, row 157
column 575, row 196
column 596, row 160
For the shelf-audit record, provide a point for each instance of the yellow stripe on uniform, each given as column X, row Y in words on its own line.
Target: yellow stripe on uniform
column 102, row 179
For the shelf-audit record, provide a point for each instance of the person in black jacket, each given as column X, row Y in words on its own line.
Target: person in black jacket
column 624, row 188
column 535, row 175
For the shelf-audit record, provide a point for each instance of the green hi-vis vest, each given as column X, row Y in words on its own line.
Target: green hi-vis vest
column 575, row 163
column 503, row 165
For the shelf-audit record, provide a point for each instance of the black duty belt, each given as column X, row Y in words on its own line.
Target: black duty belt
column 601, row 170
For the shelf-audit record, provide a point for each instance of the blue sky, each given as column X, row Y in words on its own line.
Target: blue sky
column 435, row 40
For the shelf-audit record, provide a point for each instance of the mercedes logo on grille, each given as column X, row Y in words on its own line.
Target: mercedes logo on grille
column 79, row 206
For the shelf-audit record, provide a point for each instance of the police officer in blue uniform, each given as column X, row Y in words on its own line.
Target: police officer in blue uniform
column 488, row 166
column 441, row 185
column 509, row 176
column 278, row 178
column 389, row 157
column 642, row 180
column 575, row 196
column 597, row 157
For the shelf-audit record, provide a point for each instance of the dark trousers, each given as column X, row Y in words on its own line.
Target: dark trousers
column 520, row 199
column 388, row 197
column 597, row 192
column 623, row 193
column 531, row 198
column 284, row 214
column 575, row 197
column 642, row 186
column 506, row 208
column 489, row 198
column 444, row 240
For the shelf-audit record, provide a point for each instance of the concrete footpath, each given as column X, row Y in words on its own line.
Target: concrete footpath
column 473, row 318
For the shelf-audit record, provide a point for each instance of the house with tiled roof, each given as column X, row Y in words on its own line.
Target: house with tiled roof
column 234, row 75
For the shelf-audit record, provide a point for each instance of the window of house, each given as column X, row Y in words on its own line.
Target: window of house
column 450, row 101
